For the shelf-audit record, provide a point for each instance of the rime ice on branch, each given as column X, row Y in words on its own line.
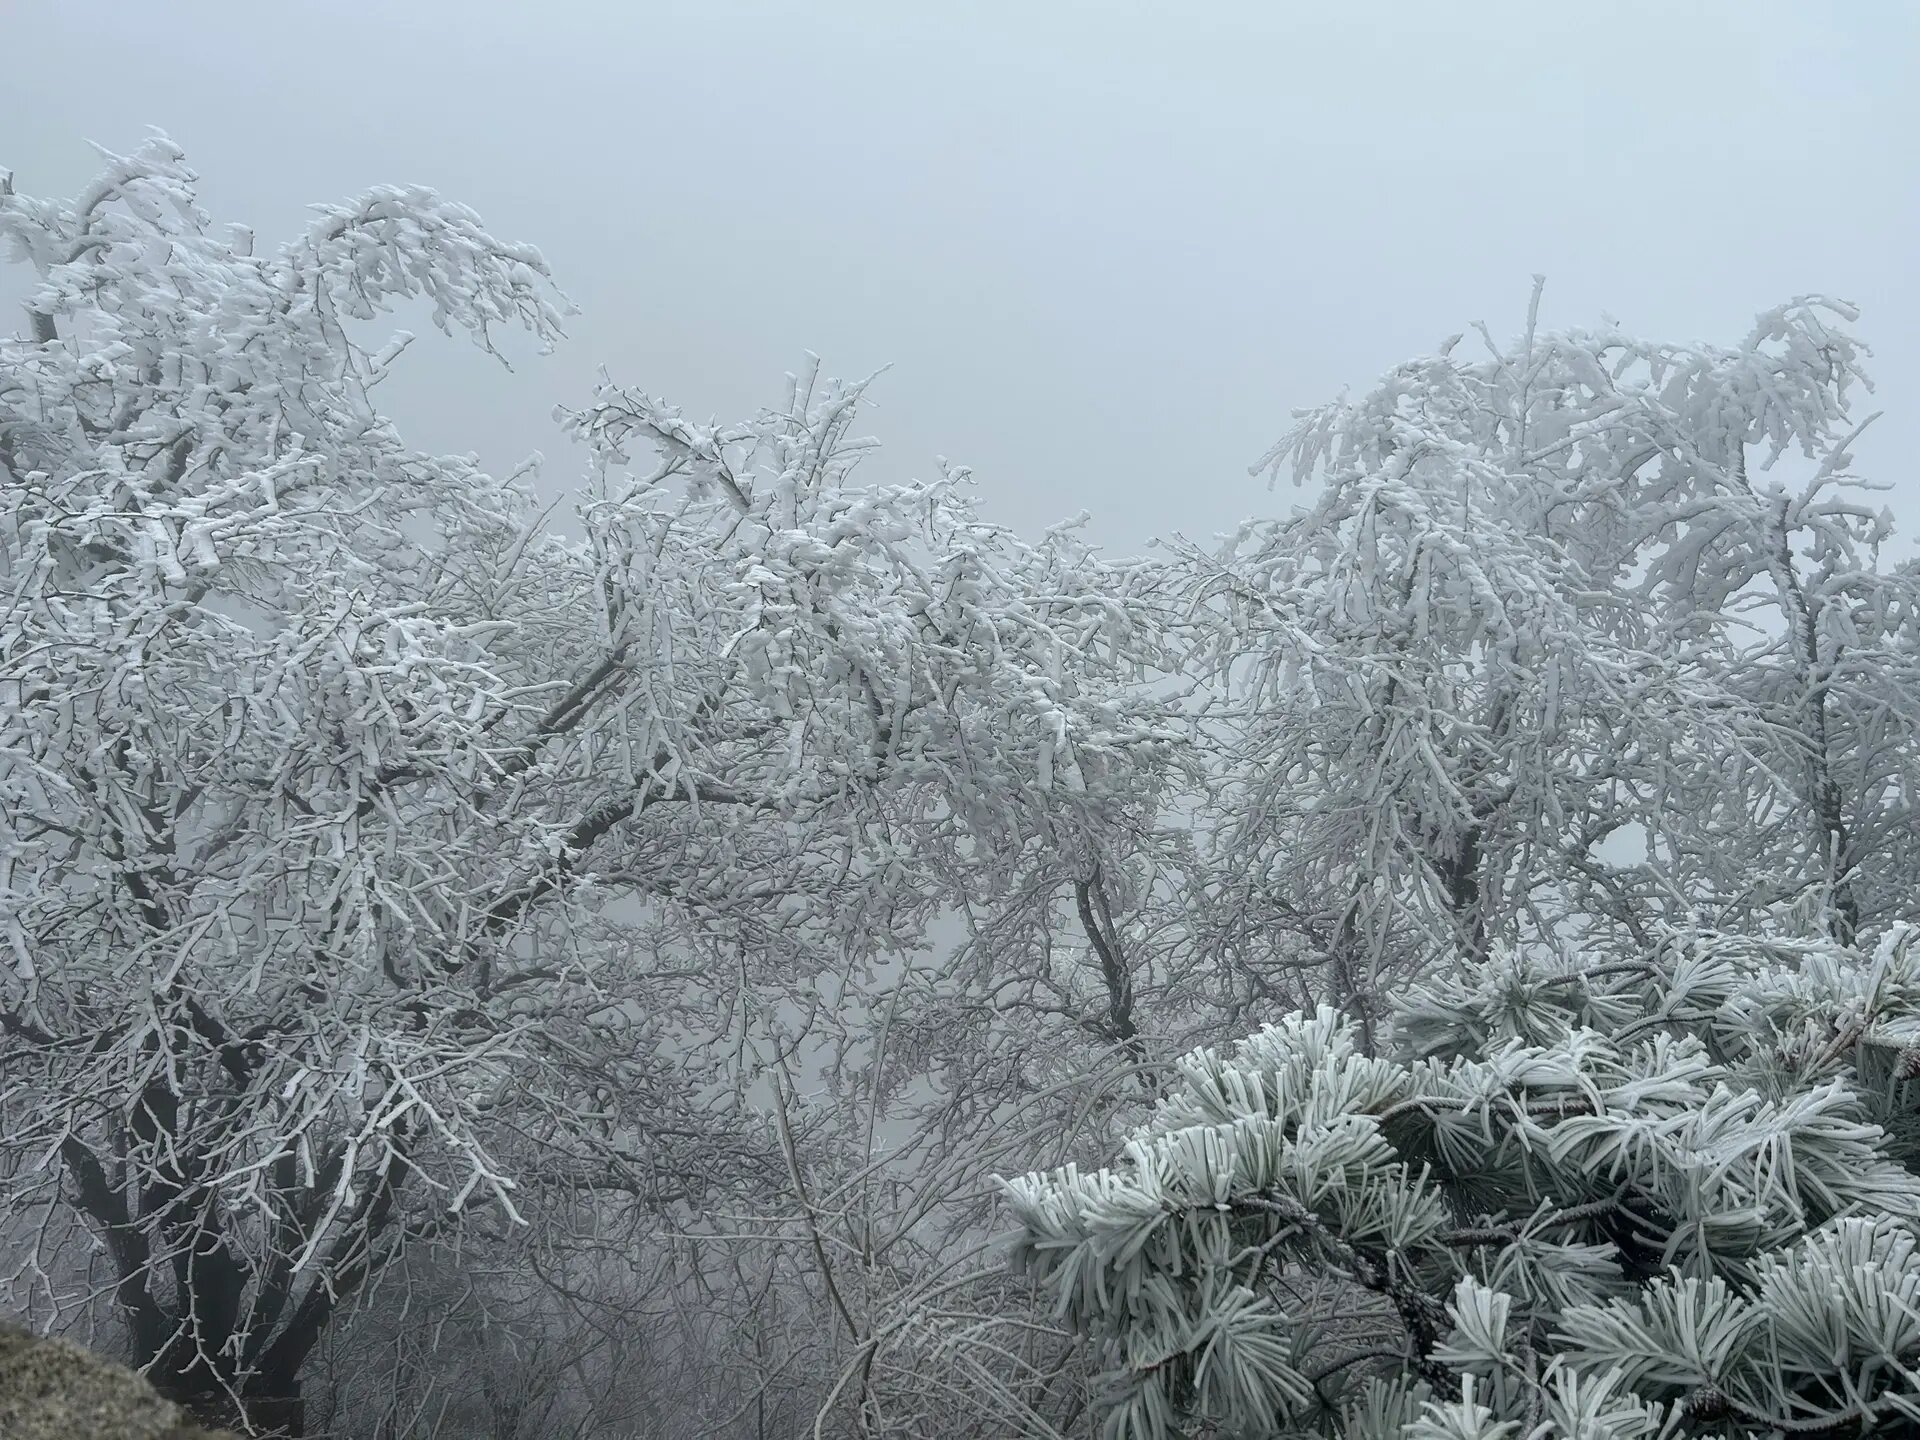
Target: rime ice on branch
column 320, row 762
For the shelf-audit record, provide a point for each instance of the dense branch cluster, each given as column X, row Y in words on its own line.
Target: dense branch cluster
column 643, row 949
column 326, row 773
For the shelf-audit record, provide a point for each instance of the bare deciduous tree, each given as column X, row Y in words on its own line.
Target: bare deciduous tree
column 372, row 860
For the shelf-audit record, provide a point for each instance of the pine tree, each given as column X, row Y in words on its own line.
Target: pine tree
column 1668, row 1196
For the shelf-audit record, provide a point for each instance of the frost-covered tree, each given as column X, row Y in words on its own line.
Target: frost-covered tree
column 1573, row 1200
column 379, row 872
column 1591, row 633
column 1577, row 649
column 376, row 868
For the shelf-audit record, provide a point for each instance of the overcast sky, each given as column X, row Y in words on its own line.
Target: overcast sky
column 1105, row 246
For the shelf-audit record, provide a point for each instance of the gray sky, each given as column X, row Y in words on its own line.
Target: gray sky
column 1106, row 246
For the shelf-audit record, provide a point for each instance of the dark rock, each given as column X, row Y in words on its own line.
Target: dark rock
column 55, row 1390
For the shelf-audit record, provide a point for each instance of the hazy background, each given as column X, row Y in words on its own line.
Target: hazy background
column 1106, row 246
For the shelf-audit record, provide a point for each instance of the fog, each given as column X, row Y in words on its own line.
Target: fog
column 459, row 982
column 1105, row 247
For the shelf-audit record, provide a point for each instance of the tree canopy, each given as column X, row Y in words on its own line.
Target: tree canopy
column 645, row 948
